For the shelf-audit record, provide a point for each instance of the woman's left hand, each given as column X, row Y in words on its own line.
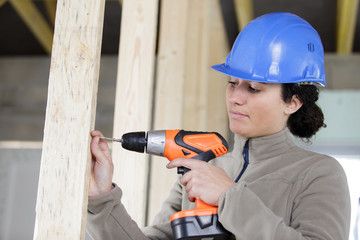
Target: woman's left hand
column 204, row 181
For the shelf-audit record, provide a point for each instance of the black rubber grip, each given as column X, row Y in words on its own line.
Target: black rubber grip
column 134, row 141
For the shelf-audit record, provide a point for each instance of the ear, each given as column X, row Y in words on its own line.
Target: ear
column 293, row 105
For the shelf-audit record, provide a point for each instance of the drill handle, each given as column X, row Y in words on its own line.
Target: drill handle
column 204, row 156
column 182, row 170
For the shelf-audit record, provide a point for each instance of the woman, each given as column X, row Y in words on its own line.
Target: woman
column 267, row 187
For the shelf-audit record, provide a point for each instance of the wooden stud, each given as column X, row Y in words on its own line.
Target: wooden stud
column 205, row 108
column 218, row 51
column 346, row 21
column 190, row 31
column 244, row 12
column 170, row 93
column 197, row 65
column 133, row 102
column 61, row 207
column 35, row 21
column 50, row 6
column 2, row 2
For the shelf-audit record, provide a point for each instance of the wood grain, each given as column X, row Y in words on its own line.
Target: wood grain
column 134, row 96
column 170, row 93
column 70, row 115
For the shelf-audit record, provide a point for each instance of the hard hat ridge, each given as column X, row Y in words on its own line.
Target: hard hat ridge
column 277, row 48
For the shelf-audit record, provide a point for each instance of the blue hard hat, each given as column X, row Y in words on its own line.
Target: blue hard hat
column 277, row 48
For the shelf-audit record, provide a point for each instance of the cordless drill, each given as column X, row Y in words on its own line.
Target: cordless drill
column 201, row 222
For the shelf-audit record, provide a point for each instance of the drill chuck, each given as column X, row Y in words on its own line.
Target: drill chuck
column 153, row 142
column 134, row 141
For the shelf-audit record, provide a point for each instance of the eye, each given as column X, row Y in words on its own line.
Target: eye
column 253, row 89
column 233, row 83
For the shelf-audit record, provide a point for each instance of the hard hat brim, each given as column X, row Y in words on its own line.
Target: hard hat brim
column 222, row 68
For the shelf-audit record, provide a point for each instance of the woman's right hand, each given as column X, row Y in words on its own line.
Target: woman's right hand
column 102, row 167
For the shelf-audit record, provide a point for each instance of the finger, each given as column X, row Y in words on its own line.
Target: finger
column 96, row 133
column 185, row 162
column 184, row 180
column 191, row 195
column 96, row 150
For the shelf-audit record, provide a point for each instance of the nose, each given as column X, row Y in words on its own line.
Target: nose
column 236, row 95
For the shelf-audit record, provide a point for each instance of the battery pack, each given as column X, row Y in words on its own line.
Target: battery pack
column 199, row 227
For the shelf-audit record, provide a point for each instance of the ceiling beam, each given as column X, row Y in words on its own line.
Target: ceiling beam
column 50, row 6
column 244, row 12
column 346, row 21
column 2, row 2
column 35, row 21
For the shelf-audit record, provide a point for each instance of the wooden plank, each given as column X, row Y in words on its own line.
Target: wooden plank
column 70, row 115
column 244, row 12
column 170, row 93
column 133, row 102
column 346, row 22
column 200, row 105
column 205, row 46
column 197, row 55
column 50, row 6
column 204, row 108
column 217, row 82
column 35, row 21
column 2, row 2
column 21, row 144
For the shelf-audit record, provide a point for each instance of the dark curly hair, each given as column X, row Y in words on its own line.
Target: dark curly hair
column 305, row 122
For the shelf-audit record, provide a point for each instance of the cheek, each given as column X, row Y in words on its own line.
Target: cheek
column 268, row 111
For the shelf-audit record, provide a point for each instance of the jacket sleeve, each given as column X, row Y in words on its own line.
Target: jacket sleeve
column 320, row 210
column 108, row 219
column 161, row 227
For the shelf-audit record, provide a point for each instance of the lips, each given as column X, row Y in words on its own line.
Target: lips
column 238, row 115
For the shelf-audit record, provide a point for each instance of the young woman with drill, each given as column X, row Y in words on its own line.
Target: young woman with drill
column 267, row 187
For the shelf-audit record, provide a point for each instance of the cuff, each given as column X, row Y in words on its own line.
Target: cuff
column 98, row 202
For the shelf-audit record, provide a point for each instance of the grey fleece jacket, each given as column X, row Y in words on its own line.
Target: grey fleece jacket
column 285, row 193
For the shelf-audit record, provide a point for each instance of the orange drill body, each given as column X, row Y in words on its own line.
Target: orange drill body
column 201, row 222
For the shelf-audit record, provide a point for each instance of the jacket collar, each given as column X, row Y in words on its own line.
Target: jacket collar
column 262, row 148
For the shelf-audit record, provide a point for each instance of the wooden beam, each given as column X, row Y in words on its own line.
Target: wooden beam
column 50, row 6
column 61, row 207
column 2, row 2
column 204, row 108
column 346, row 21
column 218, row 51
column 35, row 21
column 244, row 12
column 192, row 38
column 197, row 55
column 21, row 144
column 133, row 102
column 170, row 93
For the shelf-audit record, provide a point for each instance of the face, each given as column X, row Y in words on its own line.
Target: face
column 256, row 109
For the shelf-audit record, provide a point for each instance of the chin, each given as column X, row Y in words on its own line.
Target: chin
column 240, row 131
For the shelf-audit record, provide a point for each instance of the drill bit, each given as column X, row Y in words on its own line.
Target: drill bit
column 112, row 139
